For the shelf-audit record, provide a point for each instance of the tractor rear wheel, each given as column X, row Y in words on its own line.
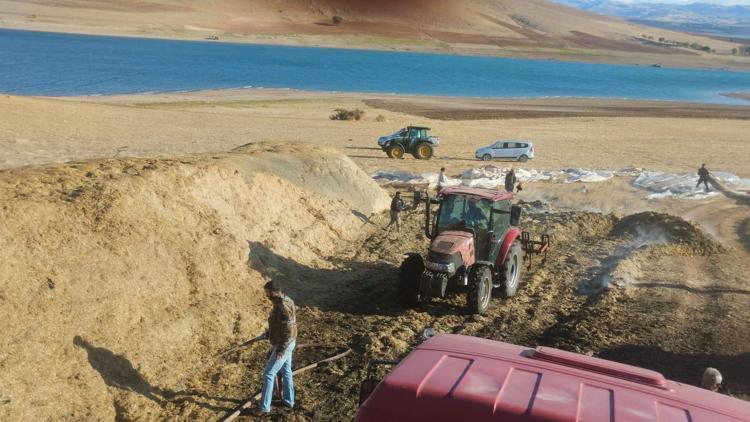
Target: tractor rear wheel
column 396, row 151
column 480, row 290
column 512, row 270
column 423, row 151
column 408, row 279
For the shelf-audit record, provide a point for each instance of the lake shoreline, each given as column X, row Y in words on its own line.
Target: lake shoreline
column 740, row 95
column 438, row 107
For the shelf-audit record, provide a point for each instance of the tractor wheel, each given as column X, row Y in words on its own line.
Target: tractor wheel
column 408, row 279
column 512, row 270
column 524, row 158
column 396, row 151
column 423, row 151
column 486, row 157
column 480, row 290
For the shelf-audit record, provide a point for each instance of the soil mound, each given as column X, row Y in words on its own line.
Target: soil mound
column 654, row 228
column 123, row 276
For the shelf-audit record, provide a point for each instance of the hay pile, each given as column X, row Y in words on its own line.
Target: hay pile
column 123, row 275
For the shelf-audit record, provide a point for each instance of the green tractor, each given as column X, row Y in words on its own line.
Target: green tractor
column 414, row 140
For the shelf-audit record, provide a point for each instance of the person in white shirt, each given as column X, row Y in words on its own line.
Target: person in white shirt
column 442, row 180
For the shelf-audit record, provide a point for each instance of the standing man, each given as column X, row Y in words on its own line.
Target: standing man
column 510, row 180
column 282, row 334
column 397, row 205
column 442, row 180
column 703, row 176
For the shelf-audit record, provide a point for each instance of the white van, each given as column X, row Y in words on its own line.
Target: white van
column 509, row 150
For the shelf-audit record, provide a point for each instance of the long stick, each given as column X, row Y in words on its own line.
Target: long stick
column 257, row 397
column 242, row 346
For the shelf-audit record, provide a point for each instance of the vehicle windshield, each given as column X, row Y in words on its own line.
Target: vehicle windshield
column 460, row 212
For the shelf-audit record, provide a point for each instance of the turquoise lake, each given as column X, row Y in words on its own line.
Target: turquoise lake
column 40, row 63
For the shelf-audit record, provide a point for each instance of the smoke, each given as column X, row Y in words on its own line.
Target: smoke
column 620, row 269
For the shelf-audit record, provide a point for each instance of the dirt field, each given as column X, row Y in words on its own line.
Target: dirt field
column 128, row 276
column 127, row 270
column 654, row 136
column 467, row 109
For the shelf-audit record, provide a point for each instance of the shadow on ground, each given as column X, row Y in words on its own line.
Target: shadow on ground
column 330, row 289
column 351, row 286
column 118, row 372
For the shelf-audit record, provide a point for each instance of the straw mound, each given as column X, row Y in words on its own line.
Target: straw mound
column 653, row 227
column 128, row 273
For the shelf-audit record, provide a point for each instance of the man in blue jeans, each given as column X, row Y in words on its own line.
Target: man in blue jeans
column 282, row 334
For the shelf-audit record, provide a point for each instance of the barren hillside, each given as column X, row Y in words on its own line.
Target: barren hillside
column 535, row 28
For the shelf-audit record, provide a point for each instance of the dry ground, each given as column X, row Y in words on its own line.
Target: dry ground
column 141, row 269
column 34, row 131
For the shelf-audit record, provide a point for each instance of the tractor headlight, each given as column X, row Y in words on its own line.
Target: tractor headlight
column 443, row 268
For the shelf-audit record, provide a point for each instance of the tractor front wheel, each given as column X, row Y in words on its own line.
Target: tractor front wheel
column 423, row 151
column 396, row 151
column 512, row 270
column 480, row 290
column 408, row 279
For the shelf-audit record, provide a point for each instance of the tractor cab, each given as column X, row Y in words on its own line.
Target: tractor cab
column 486, row 219
column 475, row 247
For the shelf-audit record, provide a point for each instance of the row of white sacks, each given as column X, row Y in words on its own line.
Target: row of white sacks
column 659, row 184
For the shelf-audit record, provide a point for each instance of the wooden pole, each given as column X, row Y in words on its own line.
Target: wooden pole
column 257, row 397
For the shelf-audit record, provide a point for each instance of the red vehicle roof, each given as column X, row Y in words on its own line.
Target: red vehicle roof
column 458, row 378
column 480, row 193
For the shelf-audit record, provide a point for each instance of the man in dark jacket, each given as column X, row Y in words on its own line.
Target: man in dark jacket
column 282, row 334
column 510, row 180
column 703, row 177
column 397, row 205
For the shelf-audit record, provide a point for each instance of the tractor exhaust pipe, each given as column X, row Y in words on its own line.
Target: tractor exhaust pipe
column 427, row 216
column 420, row 197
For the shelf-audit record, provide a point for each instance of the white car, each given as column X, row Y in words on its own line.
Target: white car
column 509, row 150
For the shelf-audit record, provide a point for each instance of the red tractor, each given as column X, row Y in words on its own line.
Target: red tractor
column 476, row 247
